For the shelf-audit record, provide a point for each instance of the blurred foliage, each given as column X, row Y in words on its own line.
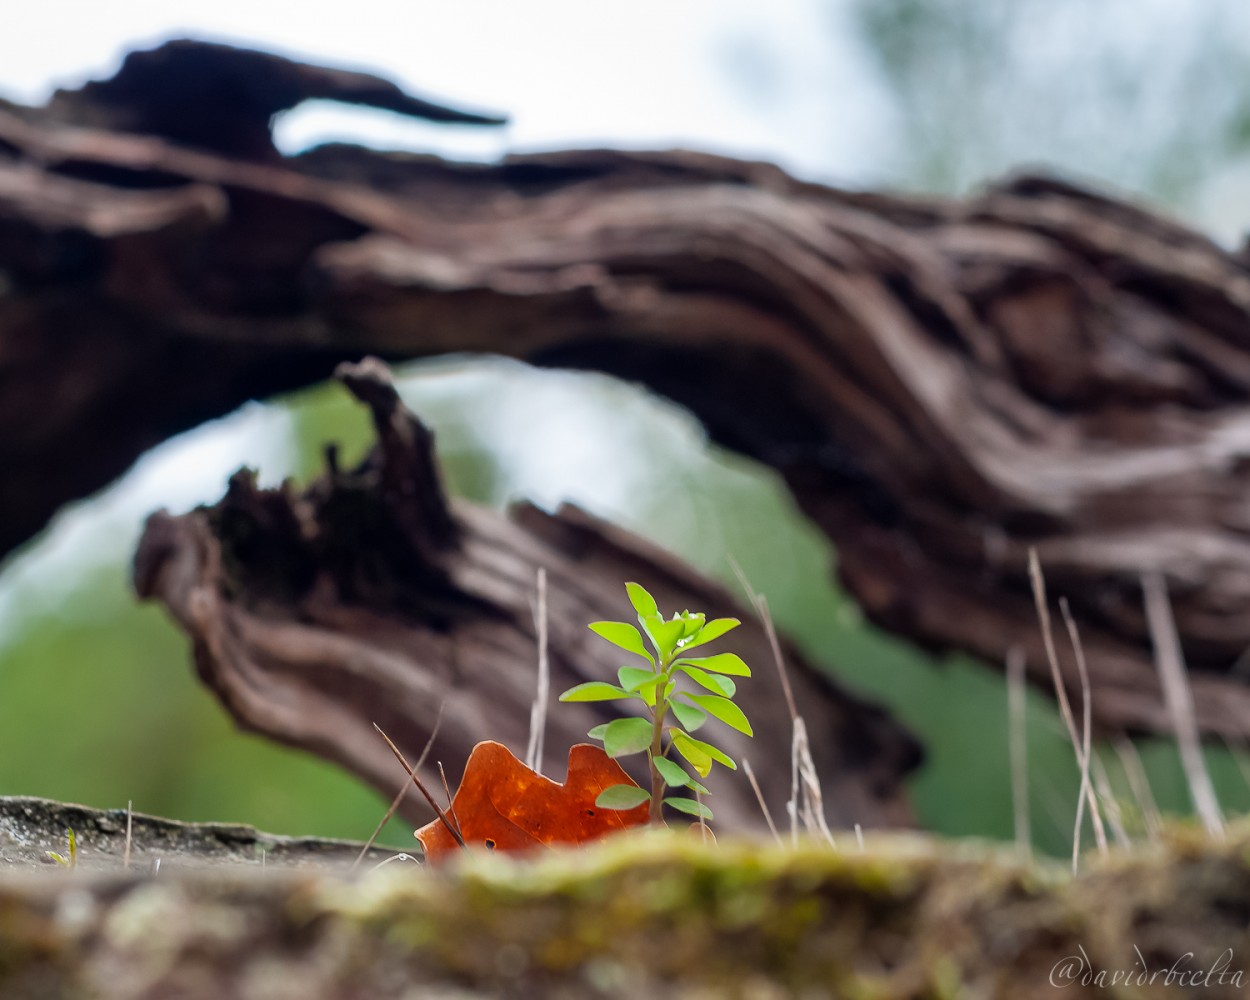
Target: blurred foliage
column 98, row 701
column 1150, row 95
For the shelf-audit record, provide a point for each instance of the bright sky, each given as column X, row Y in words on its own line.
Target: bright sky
column 569, row 72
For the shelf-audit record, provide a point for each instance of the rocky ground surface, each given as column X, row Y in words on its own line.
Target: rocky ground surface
column 30, row 828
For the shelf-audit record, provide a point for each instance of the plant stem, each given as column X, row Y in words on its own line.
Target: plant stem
column 656, row 751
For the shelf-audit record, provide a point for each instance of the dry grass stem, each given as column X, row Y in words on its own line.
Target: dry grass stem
column 129, row 831
column 1139, row 784
column 1048, row 639
column 812, row 800
column 1019, row 747
column 1239, row 760
column 403, row 791
column 451, row 802
column 759, row 797
column 1087, row 703
column 792, row 803
column 538, row 713
column 386, row 818
column 1110, row 804
column 1065, row 708
column 806, row 800
column 1170, row 661
column 442, row 816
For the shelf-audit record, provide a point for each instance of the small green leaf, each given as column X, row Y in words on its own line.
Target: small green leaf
column 663, row 635
column 598, row 731
column 712, row 630
column 692, row 624
column 723, row 709
column 640, row 682
column 689, row 749
column 701, row 789
column 715, row 753
column 713, row 682
column 674, row 774
column 642, row 601
column 633, row 678
column 69, row 859
column 622, row 797
column 594, row 691
column 626, row 736
column 720, row 663
column 689, row 806
column 690, row 717
column 624, row 635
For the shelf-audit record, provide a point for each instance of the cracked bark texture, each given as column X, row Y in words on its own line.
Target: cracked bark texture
column 371, row 598
column 942, row 384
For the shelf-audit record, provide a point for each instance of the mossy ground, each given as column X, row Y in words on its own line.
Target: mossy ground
column 645, row 915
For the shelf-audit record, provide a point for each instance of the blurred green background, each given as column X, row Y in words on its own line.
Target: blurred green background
column 97, row 699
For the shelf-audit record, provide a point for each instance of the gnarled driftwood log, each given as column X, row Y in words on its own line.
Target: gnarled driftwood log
column 370, row 598
column 942, row 384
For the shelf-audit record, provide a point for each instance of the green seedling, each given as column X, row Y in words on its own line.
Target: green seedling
column 672, row 685
column 70, row 858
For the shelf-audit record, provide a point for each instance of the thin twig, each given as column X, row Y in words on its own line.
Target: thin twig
column 403, row 791
column 1130, row 760
column 1054, row 803
column 429, row 744
column 806, row 799
column 451, row 802
column 759, row 796
column 859, row 837
column 538, row 713
column 813, row 799
column 455, row 833
column 1087, row 703
column 1061, row 695
column 1111, row 805
column 792, row 804
column 760, row 603
column 129, row 840
column 1019, row 745
column 1048, row 639
column 1170, row 661
column 1238, row 757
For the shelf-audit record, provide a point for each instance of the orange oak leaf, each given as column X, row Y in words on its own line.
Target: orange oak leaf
column 505, row 806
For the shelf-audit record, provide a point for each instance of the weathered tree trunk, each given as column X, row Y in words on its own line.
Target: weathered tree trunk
column 941, row 384
column 370, row 598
